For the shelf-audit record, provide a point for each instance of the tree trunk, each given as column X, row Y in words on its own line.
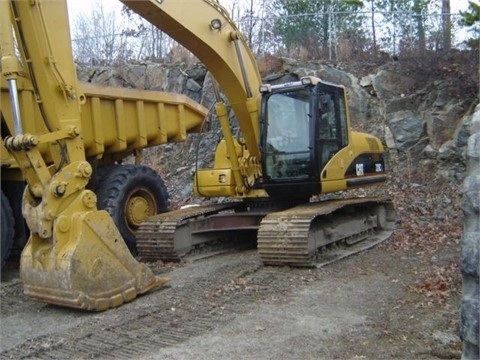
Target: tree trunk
column 374, row 37
column 446, row 25
column 418, row 9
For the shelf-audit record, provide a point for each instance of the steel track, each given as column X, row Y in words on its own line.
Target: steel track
column 298, row 236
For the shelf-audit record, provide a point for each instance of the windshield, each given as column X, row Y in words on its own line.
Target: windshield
column 288, row 140
column 288, row 121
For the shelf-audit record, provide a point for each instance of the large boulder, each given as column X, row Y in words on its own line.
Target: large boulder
column 443, row 112
column 391, row 84
column 407, row 130
column 412, row 108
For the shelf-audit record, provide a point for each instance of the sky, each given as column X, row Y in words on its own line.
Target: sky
column 79, row 6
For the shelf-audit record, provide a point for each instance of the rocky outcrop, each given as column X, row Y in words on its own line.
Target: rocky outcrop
column 176, row 78
column 435, row 107
column 470, row 255
column 427, row 118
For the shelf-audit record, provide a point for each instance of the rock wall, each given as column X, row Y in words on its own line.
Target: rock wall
column 470, row 255
column 425, row 117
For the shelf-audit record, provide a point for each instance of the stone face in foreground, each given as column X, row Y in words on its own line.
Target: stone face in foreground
column 469, row 261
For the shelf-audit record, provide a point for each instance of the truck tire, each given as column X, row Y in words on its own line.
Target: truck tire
column 7, row 228
column 99, row 174
column 131, row 194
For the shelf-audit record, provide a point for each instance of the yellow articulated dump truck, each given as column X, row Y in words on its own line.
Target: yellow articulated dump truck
column 294, row 143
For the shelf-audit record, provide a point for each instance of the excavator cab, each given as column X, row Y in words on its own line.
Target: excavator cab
column 301, row 133
column 305, row 140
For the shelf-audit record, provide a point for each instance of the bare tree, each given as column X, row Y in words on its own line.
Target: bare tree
column 150, row 43
column 98, row 37
column 418, row 9
column 446, row 25
column 250, row 17
column 374, row 35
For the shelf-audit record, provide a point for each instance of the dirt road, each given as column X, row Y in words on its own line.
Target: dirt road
column 371, row 305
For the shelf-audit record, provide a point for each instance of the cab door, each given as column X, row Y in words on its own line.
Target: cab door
column 331, row 127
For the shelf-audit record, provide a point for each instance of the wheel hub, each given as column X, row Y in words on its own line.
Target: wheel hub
column 138, row 210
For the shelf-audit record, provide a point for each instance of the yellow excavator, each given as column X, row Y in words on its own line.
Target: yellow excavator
column 294, row 143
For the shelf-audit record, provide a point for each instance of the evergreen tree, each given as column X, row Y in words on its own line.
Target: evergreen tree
column 313, row 26
column 471, row 18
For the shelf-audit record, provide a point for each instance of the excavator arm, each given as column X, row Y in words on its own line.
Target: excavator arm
column 75, row 255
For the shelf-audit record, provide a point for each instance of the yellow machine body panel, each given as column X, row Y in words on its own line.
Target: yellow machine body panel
column 119, row 120
column 333, row 175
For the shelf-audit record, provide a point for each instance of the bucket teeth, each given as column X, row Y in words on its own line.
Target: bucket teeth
column 89, row 267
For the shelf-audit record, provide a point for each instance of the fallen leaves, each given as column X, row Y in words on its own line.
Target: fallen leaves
column 440, row 284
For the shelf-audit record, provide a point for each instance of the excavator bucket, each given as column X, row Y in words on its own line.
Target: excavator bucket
column 85, row 265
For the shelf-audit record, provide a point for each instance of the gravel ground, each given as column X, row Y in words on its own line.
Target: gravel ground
column 399, row 299
column 387, row 302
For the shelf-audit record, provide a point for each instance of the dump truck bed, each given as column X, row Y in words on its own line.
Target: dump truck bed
column 115, row 121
